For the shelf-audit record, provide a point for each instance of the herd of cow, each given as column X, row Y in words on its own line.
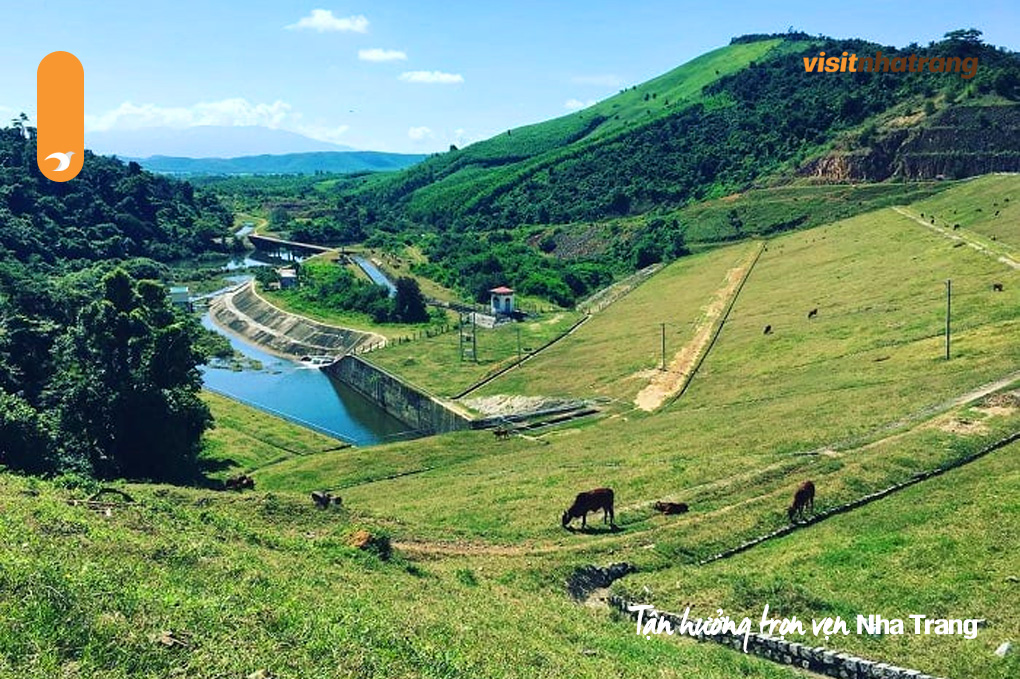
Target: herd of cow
column 602, row 499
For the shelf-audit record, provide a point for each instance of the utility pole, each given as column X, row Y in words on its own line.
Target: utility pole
column 949, row 307
column 474, row 338
column 663, row 346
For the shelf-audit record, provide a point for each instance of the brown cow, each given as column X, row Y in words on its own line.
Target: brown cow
column 502, row 433
column 671, row 507
column 241, row 482
column 591, row 501
column 803, row 499
column 324, row 499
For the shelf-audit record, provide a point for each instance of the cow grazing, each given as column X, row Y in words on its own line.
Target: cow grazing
column 591, row 501
column 768, row 330
column 812, row 313
column 996, row 287
column 323, row 499
column 671, row 507
column 502, row 433
column 956, row 227
column 241, row 482
column 803, row 500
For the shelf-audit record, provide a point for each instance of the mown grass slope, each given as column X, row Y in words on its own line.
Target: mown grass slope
column 206, row 584
column 940, row 549
column 871, row 363
column 614, row 354
column 988, row 206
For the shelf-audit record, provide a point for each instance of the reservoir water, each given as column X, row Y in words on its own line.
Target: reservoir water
column 302, row 394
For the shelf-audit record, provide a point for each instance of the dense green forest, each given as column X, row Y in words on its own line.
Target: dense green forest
column 98, row 373
column 326, row 284
column 111, row 210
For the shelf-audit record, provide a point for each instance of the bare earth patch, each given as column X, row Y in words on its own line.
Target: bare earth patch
column 664, row 384
column 963, row 427
column 504, row 404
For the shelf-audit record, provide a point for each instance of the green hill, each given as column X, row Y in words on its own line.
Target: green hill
column 340, row 162
column 740, row 117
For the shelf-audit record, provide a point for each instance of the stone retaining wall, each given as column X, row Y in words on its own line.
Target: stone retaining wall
column 816, row 659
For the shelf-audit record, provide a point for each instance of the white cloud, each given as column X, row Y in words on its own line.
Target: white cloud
column 577, row 104
column 323, row 21
column 377, row 54
column 236, row 112
column 602, row 80
column 227, row 112
column 333, row 135
column 420, row 133
column 432, row 77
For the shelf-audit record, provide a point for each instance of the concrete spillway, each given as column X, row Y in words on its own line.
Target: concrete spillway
column 245, row 312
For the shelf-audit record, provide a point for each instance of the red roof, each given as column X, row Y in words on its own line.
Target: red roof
column 502, row 290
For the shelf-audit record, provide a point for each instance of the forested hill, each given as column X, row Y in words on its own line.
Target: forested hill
column 717, row 124
column 341, row 162
column 111, row 210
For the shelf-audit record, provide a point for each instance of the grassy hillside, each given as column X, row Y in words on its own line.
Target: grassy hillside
column 987, row 206
column 226, row 584
column 870, row 363
column 614, row 354
column 201, row 583
column 937, row 549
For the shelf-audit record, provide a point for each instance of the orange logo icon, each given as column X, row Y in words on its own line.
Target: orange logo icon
column 60, row 103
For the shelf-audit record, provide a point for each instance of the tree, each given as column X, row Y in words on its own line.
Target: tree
column 966, row 35
column 409, row 303
column 129, row 385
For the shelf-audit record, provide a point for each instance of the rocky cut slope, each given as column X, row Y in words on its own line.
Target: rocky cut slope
column 957, row 142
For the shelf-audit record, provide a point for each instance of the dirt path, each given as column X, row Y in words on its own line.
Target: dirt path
column 960, row 237
column 664, row 384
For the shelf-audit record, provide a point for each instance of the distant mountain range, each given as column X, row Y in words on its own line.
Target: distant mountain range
column 204, row 141
column 344, row 162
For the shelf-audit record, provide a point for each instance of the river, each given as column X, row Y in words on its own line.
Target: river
column 303, row 395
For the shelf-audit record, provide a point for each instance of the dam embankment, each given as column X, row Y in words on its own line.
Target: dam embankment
column 244, row 312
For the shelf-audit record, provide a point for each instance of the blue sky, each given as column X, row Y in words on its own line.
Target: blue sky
column 411, row 76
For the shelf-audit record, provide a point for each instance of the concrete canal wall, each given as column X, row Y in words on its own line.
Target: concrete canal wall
column 424, row 413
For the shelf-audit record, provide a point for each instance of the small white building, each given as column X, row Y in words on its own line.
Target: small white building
column 179, row 296
column 501, row 301
column 288, row 278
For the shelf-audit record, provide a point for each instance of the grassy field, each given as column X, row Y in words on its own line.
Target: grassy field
column 870, row 363
column 988, row 206
column 940, row 549
column 211, row 584
column 435, row 364
column 613, row 354
column 191, row 582
column 245, row 439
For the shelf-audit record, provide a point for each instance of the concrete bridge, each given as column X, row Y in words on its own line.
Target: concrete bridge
column 270, row 244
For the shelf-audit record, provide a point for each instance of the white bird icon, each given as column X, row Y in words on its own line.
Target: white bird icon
column 64, row 158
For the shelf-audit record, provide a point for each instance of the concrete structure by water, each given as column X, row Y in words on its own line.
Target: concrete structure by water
column 246, row 313
column 420, row 411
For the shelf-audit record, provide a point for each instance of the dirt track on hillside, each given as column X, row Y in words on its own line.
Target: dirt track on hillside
column 665, row 383
column 960, row 237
